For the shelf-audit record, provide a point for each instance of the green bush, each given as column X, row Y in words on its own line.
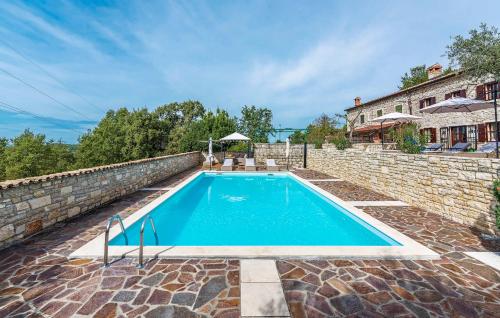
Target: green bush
column 342, row 143
column 408, row 139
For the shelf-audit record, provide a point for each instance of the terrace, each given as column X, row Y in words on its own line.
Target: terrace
column 39, row 279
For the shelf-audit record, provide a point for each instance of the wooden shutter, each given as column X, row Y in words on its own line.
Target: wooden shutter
column 481, row 133
column 433, row 134
column 463, row 93
column 447, row 96
column 480, row 93
column 433, row 100
column 421, row 104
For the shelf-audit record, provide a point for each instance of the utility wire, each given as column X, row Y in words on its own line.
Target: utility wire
column 25, row 112
column 50, row 75
column 45, row 94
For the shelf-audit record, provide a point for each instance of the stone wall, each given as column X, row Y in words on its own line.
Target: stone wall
column 30, row 205
column 277, row 152
column 455, row 187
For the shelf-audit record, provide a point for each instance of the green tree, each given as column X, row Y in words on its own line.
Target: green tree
column 3, row 146
column 298, row 137
column 62, row 157
column 121, row 136
column 418, row 74
column 28, row 156
column 478, row 56
column 215, row 125
column 324, row 126
column 175, row 119
column 256, row 123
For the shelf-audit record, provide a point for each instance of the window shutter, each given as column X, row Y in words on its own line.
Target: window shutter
column 421, row 104
column 480, row 93
column 433, row 100
column 481, row 133
column 463, row 93
column 433, row 134
column 447, row 96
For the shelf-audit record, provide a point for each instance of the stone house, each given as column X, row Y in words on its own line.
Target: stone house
column 448, row 129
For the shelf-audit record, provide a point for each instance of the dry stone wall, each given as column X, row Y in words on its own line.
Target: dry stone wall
column 277, row 152
column 30, row 205
column 455, row 187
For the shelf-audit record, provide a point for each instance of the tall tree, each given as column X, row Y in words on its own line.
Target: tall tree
column 418, row 74
column 298, row 137
column 478, row 56
column 324, row 126
column 28, row 156
column 3, row 147
column 256, row 123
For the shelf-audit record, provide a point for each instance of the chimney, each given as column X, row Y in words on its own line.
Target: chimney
column 357, row 101
column 434, row 71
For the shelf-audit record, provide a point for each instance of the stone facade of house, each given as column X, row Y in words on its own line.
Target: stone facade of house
column 447, row 128
column 457, row 188
column 28, row 206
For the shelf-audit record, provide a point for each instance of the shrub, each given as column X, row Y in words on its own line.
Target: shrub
column 408, row 139
column 342, row 143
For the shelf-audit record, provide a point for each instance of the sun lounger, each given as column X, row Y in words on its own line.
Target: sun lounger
column 250, row 164
column 228, row 165
column 488, row 147
column 271, row 165
column 459, row 147
column 433, row 147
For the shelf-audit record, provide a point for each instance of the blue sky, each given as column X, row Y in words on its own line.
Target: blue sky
column 298, row 58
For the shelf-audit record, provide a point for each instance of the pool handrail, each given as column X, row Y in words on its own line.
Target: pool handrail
column 106, row 235
column 141, row 246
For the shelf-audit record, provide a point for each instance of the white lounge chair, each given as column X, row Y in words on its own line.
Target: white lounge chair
column 228, row 165
column 250, row 164
column 271, row 165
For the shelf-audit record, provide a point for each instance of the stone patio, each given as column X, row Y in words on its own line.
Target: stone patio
column 38, row 280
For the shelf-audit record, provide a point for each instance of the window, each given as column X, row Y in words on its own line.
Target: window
column 427, row 102
column 430, row 134
column 361, row 119
column 459, row 93
column 379, row 112
column 485, row 92
column 488, row 90
column 398, row 108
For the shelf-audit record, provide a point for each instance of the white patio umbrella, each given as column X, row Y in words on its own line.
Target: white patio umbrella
column 210, row 152
column 235, row 137
column 287, row 151
column 457, row 104
column 463, row 105
column 393, row 117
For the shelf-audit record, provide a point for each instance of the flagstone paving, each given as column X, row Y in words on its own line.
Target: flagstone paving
column 38, row 280
column 454, row 286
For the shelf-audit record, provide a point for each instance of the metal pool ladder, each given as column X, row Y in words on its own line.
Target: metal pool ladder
column 106, row 236
column 141, row 246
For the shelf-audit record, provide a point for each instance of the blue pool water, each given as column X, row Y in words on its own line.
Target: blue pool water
column 241, row 209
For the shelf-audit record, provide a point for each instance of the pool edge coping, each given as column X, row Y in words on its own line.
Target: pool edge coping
column 409, row 249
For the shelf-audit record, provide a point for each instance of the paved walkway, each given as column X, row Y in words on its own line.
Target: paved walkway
column 38, row 280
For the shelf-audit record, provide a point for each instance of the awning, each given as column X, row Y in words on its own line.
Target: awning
column 372, row 128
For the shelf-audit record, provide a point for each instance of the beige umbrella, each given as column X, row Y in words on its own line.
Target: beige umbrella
column 395, row 118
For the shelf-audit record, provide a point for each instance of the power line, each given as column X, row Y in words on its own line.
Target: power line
column 25, row 112
column 45, row 94
column 50, row 75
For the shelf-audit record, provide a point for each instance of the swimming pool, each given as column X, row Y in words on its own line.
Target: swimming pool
column 252, row 209
column 241, row 214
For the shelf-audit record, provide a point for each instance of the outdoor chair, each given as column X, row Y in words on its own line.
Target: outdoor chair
column 488, row 147
column 228, row 165
column 250, row 164
column 459, row 147
column 271, row 165
column 433, row 147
